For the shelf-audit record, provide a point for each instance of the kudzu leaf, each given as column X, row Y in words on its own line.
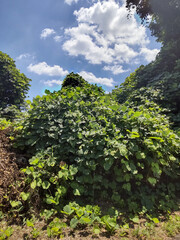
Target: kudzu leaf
column 96, row 229
column 127, row 186
column 34, row 161
column 60, row 174
column 85, row 220
column 68, row 210
column 33, row 184
column 73, row 222
column 155, row 220
column 25, row 196
column 152, row 181
column 15, row 203
column 50, row 200
column 135, row 219
column 46, row 185
column 123, row 150
column 76, row 192
column 73, row 170
column 107, row 165
column 140, row 155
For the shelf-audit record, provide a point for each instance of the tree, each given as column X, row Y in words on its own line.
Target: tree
column 73, row 80
column 165, row 15
column 13, row 84
column 159, row 80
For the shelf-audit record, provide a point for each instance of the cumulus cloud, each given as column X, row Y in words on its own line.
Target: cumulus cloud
column 85, row 46
column 43, row 68
column 91, row 78
column 69, row 2
column 104, row 34
column 149, row 54
column 53, row 82
column 115, row 69
column 47, row 32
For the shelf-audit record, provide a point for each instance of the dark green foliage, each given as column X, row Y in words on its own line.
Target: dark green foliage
column 13, row 84
column 127, row 157
column 74, row 80
column 161, row 76
column 48, row 177
column 165, row 19
column 159, row 80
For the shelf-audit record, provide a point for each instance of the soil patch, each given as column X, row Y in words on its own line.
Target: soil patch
column 9, row 170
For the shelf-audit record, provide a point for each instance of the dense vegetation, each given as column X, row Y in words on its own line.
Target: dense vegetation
column 117, row 153
column 13, row 84
column 159, row 81
column 94, row 158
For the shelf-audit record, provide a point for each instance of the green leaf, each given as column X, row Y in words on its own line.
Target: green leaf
column 25, row 196
column 85, row 220
column 76, row 192
column 135, row 219
column 157, row 138
column 15, row 203
column 108, row 163
column 60, row 174
column 34, row 161
column 47, row 91
column 73, row 170
column 50, row 200
column 73, row 222
column 140, row 155
column 152, row 181
column 123, row 150
column 155, row 220
column 33, row 184
column 96, row 229
column 127, row 186
column 68, row 210
column 46, row 185
column 29, row 223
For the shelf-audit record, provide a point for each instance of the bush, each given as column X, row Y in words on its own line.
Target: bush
column 127, row 157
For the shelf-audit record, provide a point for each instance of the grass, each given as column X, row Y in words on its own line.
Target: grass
column 144, row 230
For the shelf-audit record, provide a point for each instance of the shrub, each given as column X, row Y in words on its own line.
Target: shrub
column 127, row 157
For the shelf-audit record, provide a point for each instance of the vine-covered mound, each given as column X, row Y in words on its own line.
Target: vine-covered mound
column 87, row 147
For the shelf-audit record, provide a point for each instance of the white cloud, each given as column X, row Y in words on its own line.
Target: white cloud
column 111, row 20
column 123, row 53
column 104, row 34
column 47, row 32
column 43, row 68
column 115, row 69
column 149, row 54
column 57, row 38
column 91, row 78
column 84, row 45
column 69, row 2
column 53, row 82
column 25, row 55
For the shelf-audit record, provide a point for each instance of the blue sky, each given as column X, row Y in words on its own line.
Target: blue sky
column 50, row 38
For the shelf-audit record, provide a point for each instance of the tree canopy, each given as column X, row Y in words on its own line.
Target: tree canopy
column 159, row 80
column 13, row 84
column 165, row 16
column 73, row 80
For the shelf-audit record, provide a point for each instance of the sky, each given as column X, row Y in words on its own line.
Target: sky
column 95, row 38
